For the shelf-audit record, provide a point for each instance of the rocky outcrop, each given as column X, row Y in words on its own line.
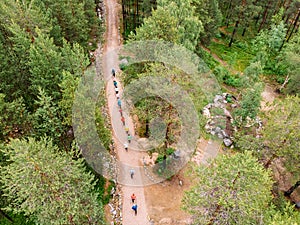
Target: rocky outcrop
column 220, row 121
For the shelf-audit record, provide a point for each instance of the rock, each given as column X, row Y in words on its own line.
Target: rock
column 227, row 113
column 218, row 98
column 176, row 154
column 218, row 130
column 208, row 127
column 112, row 191
column 233, row 106
column 227, row 142
column 220, row 135
column 206, row 112
column 124, row 62
column 224, row 134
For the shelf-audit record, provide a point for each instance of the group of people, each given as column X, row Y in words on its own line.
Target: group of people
column 129, row 137
column 134, row 205
column 119, row 102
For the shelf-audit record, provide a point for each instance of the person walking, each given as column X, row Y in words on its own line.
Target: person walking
column 123, row 121
column 117, row 90
column 129, row 138
column 131, row 173
column 133, row 197
column 113, row 72
column 118, row 96
column 115, row 83
column 121, row 112
column 119, row 103
column 126, row 130
column 126, row 146
column 134, row 207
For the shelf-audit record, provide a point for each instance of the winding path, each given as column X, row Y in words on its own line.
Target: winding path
column 130, row 158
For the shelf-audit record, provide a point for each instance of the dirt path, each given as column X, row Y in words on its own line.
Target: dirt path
column 130, row 158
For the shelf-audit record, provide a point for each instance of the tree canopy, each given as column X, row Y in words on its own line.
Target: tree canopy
column 50, row 186
column 233, row 189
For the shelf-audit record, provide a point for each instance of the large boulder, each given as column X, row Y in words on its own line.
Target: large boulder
column 227, row 142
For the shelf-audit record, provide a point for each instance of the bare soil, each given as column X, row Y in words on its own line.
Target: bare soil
column 164, row 200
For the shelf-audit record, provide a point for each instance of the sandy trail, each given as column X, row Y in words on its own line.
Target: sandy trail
column 131, row 158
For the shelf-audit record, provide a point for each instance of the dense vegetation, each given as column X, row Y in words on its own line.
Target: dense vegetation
column 44, row 50
column 252, row 43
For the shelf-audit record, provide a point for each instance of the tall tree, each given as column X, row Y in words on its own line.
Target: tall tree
column 15, row 74
column 46, row 118
column 241, row 15
column 73, row 18
column 281, row 133
column 45, row 65
column 210, row 15
column 49, row 186
column 234, row 189
column 249, row 105
column 173, row 21
column 14, row 119
column 291, row 59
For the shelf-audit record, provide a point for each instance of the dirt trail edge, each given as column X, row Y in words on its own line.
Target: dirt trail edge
column 131, row 157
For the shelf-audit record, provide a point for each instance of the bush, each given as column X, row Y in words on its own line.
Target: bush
column 220, row 72
column 168, row 151
column 233, row 80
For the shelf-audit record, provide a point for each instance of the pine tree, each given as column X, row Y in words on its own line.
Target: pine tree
column 45, row 65
column 281, row 133
column 46, row 118
column 47, row 185
column 232, row 190
column 210, row 15
column 172, row 21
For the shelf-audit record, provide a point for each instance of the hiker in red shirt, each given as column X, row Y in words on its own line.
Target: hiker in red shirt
column 133, row 197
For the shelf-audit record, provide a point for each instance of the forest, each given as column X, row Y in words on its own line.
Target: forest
column 249, row 46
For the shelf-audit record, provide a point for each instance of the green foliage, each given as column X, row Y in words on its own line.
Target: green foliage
column 210, row 15
column 237, row 56
column 46, row 119
column 172, row 21
column 28, row 15
column 45, row 65
column 232, row 190
column 249, row 105
column 251, row 74
column 291, row 61
column 49, row 186
column 267, row 45
column 167, row 152
column 14, row 54
column 14, row 119
column 18, row 219
column 224, row 76
column 68, row 87
column 72, row 18
column 282, row 215
column 102, row 123
column 281, row 133
column 209, row 60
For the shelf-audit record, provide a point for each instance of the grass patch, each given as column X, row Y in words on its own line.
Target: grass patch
column 238, row 56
